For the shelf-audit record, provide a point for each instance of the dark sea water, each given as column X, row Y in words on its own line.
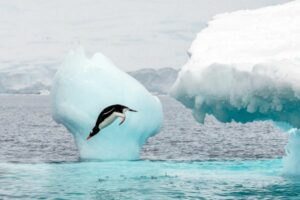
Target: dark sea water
column 186, row 160
column 29, row 135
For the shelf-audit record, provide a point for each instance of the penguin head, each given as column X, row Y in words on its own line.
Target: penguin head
column 93, row 132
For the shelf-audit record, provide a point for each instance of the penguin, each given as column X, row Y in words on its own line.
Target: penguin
column 107, row 116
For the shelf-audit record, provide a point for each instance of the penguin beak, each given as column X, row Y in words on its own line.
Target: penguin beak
column 89, row 137
column 132, row 110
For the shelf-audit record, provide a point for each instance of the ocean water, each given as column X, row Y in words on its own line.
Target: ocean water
column 186, row 160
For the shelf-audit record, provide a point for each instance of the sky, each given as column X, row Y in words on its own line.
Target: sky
column 134, row 34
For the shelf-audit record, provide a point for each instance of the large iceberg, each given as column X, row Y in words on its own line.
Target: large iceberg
column 82, row 87
column 245, row 66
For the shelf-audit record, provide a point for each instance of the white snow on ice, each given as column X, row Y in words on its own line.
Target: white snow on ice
column 245, row 66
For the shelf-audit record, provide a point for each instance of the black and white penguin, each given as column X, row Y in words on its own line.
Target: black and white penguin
column 108, row 116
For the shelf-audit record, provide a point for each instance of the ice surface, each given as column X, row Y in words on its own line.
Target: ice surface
column 82, row 87
column 141, row 180
column 245, row 66
column 138, row 180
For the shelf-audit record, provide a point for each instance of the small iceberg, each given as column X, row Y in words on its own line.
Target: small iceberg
column 83, row 86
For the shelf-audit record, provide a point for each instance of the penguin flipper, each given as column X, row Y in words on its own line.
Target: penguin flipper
column 122, row 121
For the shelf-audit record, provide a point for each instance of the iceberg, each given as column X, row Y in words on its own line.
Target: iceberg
column 83, row 86
column 245, row 66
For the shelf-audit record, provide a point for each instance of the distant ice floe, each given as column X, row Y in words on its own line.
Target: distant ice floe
column 157, row 81
column 26, row 79
column 83, row 87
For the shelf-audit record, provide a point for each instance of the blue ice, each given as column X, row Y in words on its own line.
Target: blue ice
column 83, row 87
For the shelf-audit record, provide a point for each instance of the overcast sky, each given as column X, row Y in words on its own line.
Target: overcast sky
column 134, row 34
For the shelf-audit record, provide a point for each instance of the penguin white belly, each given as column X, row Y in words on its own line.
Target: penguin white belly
column 110, row 119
